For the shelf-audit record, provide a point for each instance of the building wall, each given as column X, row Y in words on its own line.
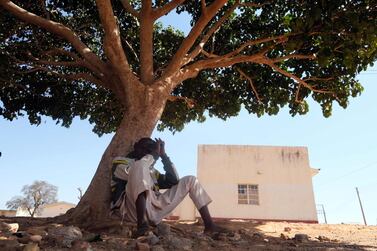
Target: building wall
column 282, row 174
column 49, row 210
column 55, row 209
column 8, row 213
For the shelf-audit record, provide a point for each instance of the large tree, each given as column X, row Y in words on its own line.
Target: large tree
column 113, row 63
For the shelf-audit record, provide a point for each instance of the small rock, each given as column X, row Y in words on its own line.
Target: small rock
column 152, row 239
column 293, row 244
column 157, row 248
column 79, row 245
column 287, row 229
column 243, row 231
column 220, row 246
column 266, row 240
column 242, row 244
column 142, row 246
column 35, row 238
column 21, row 234
column 284, row 236
column 92, row 237
column 131, row 243
column 37, row 231
column 65, row 235
column 234, row 237
column 125, row 231
column 163, row 229
column 25, row 239
column 13, row 227
column 301, row 237
column 220, row 236
column 31, row 247
column 322, row 238
column 258, row 236
column 8, row 228
column 203, row 243
column 9, row 244
column 180, row 243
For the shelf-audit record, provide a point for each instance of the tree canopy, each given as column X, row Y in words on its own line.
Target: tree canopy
column 260, row 55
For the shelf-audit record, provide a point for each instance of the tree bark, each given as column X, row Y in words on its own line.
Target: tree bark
column 138, row 121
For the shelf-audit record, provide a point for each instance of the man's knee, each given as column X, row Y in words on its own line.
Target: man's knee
column 189, row 180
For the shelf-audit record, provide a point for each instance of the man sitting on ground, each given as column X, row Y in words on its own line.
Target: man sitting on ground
column 141, row 200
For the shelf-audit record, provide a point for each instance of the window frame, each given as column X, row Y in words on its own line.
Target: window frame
column 248, row 194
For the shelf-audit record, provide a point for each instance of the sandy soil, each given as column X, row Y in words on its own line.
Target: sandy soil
column 280, row 235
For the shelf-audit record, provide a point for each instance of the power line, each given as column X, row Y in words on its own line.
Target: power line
column 349, row 173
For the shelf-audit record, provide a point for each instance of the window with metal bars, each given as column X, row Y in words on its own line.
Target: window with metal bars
column 248, row 194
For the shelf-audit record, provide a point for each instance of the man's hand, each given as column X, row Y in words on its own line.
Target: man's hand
column 160, row 146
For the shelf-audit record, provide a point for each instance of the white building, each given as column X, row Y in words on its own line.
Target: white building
column 49, row 210
column 255, row 182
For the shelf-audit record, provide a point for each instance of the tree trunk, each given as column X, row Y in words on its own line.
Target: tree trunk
column 138, row 121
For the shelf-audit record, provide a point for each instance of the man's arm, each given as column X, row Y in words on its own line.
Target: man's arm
column 170, row 178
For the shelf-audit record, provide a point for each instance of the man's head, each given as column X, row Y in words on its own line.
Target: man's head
column 145, row 146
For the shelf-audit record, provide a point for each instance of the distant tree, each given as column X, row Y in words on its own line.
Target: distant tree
column 34, row 196
column 112, row 62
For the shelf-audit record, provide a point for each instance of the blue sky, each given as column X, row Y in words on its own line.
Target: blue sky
column 343, row 146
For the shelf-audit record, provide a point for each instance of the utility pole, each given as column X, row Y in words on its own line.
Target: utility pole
column 324, row 213
column 361, row 206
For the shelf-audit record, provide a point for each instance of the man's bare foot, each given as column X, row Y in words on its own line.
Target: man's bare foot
column 141, row 230
column 209, row 230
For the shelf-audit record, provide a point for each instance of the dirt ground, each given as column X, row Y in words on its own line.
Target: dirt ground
column 244, row 235
column 281, row 235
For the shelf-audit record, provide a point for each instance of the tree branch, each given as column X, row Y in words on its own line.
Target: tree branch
column 297, row 94
column 159, row 12
column 75, row 76
column 189, row 102
column 215, row 61
column 211, row 31
column 78, row 62
column 244, row 75
column 209, row 55
column 60, row 51
column 112, row 42
column 195, row 32
column 43, row 6
column 318, row 79
column 203, row 6
column 217, row 26
column 280, row 39
column 146, row 43
column 128, row 7
column 293, row 56
column 294, row 77
column 131, row 48
column 225, row 61
column 83, row 62
column 28, row 209
column 192, row 70
column 254, row 5
column 58, row 29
